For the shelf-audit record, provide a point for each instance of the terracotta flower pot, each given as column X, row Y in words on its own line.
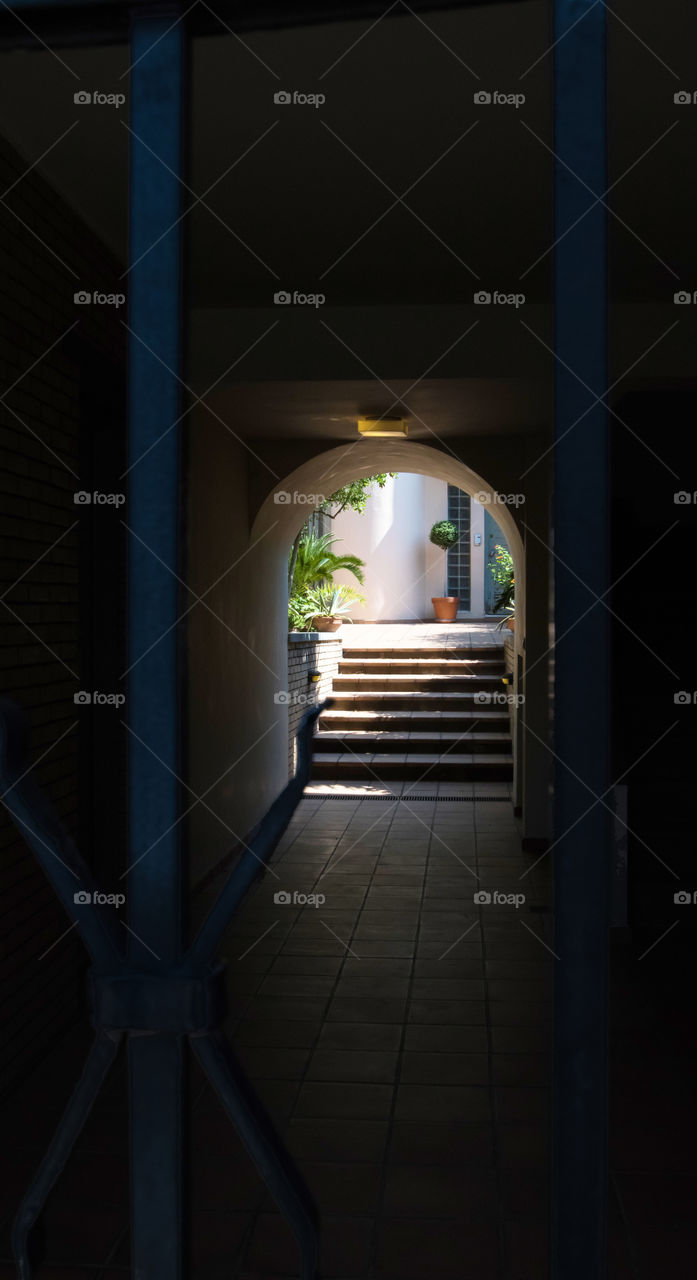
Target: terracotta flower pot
column 326, row 624
column 445, row 607
column 511, row 624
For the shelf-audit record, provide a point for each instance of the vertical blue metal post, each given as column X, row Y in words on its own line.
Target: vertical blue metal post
column 582, row 702
column 158, row 57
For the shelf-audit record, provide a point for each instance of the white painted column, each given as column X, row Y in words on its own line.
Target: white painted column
column 477, row 560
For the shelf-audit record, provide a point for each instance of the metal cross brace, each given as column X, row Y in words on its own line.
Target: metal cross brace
column 170, row 1001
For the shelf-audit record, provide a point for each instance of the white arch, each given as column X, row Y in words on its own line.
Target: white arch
column 261, row 660
column 328, row 471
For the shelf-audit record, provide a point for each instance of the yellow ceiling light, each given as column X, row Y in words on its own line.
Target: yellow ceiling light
column 383, row 427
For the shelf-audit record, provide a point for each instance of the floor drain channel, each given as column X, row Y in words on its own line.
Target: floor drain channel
column 434, row 799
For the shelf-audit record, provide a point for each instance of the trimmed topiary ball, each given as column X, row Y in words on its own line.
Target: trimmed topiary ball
column 444, row 534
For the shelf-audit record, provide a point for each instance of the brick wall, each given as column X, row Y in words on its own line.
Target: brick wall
column 51, row 352
column 308, row 651
column 508, row 649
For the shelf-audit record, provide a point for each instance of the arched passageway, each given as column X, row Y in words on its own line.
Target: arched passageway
column 236, row 677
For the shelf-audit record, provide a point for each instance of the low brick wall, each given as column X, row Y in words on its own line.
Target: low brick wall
column 308, row 651
column 509, row 649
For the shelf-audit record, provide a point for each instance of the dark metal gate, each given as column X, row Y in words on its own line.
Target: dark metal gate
column 155, row 991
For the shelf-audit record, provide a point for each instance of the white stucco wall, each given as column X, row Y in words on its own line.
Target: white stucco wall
column 403, row 569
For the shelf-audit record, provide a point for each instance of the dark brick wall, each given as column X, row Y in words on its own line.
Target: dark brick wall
column 305, row 655
column 62, row 375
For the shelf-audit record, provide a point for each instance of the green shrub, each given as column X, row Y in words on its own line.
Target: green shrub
column 444, row 534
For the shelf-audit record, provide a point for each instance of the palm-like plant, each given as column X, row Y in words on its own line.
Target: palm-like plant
column 332, row 602
column 316, row 563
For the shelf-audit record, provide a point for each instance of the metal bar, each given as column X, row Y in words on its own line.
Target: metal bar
column 583, row 854
column 260, row 845
column 155, row 311
column 54, row 850
column 100, row 1058
column 262, row 1142
column 158, row 57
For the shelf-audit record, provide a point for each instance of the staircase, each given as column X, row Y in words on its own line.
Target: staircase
column 407, row 714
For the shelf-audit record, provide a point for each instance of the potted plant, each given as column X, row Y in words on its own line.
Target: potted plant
column 326, row 607
column 445, row 534
column 312, row 563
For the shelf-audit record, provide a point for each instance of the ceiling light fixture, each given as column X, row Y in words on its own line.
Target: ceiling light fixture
column 383, row 427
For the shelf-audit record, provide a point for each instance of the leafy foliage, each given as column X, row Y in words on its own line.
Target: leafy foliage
column 444, row 534
column 313, row 591
column 316, row 563
column 351, row 497
column 354, row 496
column 323, row 602
column 502, row 570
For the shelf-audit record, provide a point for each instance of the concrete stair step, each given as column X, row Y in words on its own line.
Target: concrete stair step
column 380, row 766
column 422, row 666
column 489, row 651
column 421, row 700
column 388, row 682
column 398, row 742
column 413, row 719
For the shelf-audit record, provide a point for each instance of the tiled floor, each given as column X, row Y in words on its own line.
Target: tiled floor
column 399, row 1034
